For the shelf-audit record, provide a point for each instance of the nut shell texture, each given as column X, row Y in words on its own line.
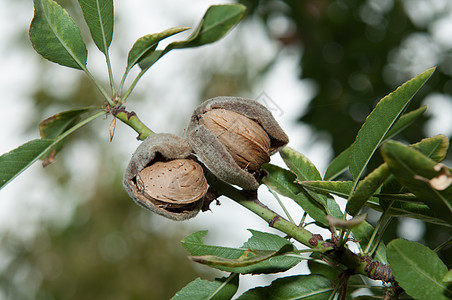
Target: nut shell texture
column 176, row 181
column 161, row 177
column 245, row 140
column 209, row 148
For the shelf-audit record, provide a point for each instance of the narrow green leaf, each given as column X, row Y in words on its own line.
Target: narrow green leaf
column 55, row 35
column 145, row 46
column 406, row 205
column 216, row 22
column 299, row 164
column 99, row 16
column 434, row 147
column 304, row 169
column 418, row 270
column 16, row 161
column 282, row 181
column 219, row 289
column 312, row 287
column 56, row 125
column 380, row 121
column 341, row 162
column 408, row 166
column 338, row 165
column 252, row 258
column 338, row 188
column 366, row 188
column 248, row 258
column 405, row 120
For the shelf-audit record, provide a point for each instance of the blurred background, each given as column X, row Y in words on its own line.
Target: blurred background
column 69, row 231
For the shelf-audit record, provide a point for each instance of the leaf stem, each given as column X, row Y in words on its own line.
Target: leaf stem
column 99, row 87
column 282, row 205
column 372, row 244
column 110, row 73
column 445, row 244
column 132, row 86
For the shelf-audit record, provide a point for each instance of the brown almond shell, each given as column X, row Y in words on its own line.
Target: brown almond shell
column 160, row 147
column 213, row 153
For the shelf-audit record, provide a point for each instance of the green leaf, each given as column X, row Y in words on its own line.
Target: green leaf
column 311, row 287
column 216, row 22
column 145, row 46
column 219, row 289
column 341, row 162
column 299, row 164
column 338, row 188
column 55, row 35
column 248, row 258
column 56, row 125
column 418, row 270
column 338, row 165
column 400, row 207
column 282, row 181
column 16, row 161
column 100, row 17
column 304, row 169
column 263, row 253
column 380, row 121
column 435, row 148
column 366, row 188
column 448, row 277
column 408, row 166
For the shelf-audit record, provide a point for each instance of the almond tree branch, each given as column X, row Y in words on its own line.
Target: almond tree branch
column 357, row 264
column 131, row 119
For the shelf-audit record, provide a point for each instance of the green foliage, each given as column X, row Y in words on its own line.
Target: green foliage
column 283, row 182
column 16, row 161
column 407, row 165
column 100, row 17
column 380, row 121
column 199, row 289
column 145, row 46
column 341, row 163
column 418, row 270
column 55, row 35
column 262, row 253
column 411, row 182
column 216, row 22
column 312, row 287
